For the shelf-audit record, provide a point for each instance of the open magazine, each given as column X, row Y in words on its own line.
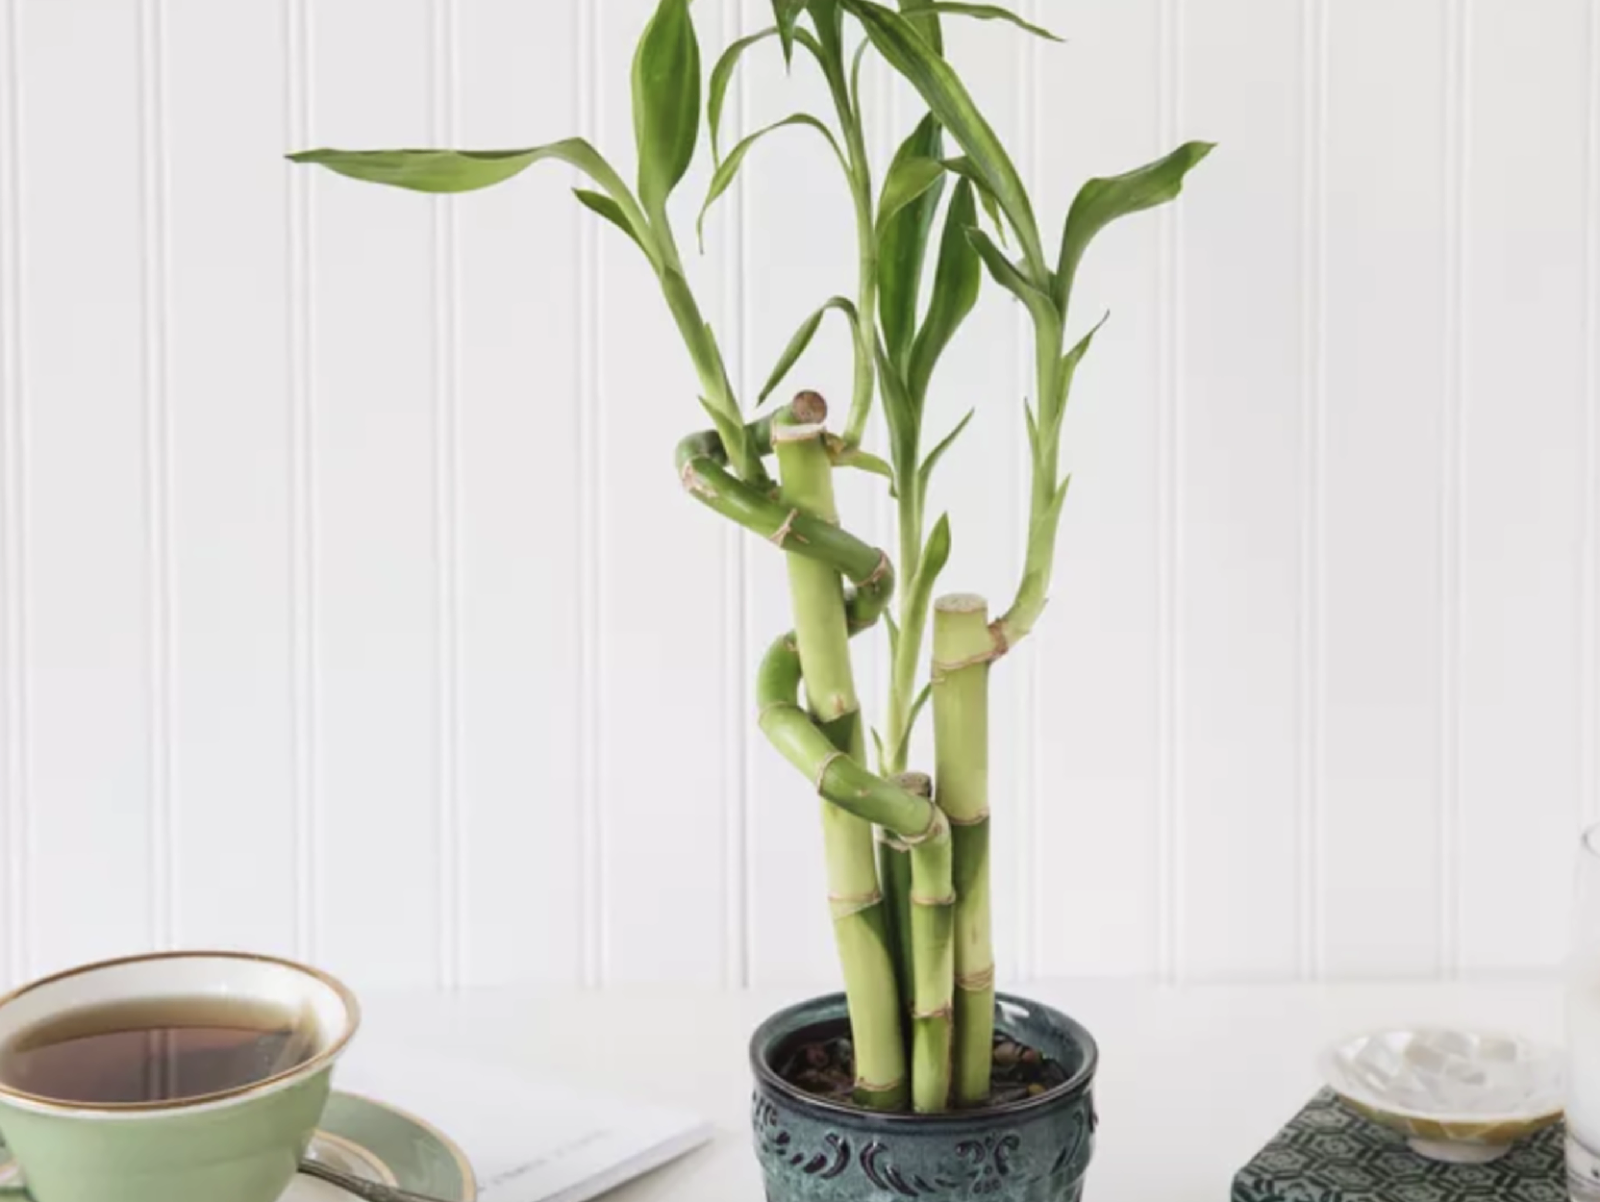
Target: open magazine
column 526, row 1142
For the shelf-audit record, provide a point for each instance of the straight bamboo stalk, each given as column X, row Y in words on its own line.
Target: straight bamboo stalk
column 823, row 639
column 963, row 649
column 894, row 869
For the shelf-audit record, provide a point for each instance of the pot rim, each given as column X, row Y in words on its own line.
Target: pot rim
column 1073, row 1086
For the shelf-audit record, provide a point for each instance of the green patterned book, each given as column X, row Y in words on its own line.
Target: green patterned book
column 1329, row 1153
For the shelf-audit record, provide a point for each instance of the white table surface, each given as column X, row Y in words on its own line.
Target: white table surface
column 1192, row 1080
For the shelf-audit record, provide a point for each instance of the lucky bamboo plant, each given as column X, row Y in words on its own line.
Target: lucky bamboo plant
column 907, row 854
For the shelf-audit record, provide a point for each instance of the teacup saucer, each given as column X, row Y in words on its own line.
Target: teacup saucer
column 370, row 1139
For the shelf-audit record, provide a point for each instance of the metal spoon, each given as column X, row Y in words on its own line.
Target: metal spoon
column 369, row 1191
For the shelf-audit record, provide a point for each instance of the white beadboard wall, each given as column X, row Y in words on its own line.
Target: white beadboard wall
column 349, row 607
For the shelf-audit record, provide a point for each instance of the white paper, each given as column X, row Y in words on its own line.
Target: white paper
column 527, row 1142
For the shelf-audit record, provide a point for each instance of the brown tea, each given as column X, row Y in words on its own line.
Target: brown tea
column 158, row 1050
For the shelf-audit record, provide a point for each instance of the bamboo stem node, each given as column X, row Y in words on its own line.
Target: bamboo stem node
column 938, row 828
column 887, row 838
column 804, row 432
column 976, row 982
column 695, row 483
column 786, row 531
column 977, row 819
column 947, row 1011
column 878, row 1087
column 828, row 762
column 948, row 899
column 878, row 573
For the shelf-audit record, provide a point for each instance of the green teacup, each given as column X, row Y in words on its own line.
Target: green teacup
column 241, row 1144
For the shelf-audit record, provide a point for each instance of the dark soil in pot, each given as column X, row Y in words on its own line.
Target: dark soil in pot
column 824, row 1067
column 818, row 1148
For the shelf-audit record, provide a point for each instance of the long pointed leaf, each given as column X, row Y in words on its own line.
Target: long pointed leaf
column 1070, row 361
column 602, row 204
column 900, row 415
column 1102, row 201
column 956, row 283
column 828, row 19
column 1055, row 412
column 666, row 102
column 842, row 454
column 786, row 13
column 908, row 180
column 1007, row 274
column 965, row 168
column 947, row 97
column 912, row 715
column 925, row 21
column 855, row 72
column 722, row 78
column 464, row 170
column 903, row 239
column 728, row 170
column 986, row 12
column 925, row 472
column 802, row 339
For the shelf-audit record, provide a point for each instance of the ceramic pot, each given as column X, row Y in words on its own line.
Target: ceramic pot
column 1035, row 1150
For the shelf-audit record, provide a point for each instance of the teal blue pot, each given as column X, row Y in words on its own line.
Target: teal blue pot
column 1036, row 1150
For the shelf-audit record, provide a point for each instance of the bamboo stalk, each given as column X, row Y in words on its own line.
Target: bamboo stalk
column 894, row 869
column 963, row 648
column 823, row 641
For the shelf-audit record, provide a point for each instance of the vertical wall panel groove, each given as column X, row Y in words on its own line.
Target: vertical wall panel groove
column 1312, row 561
column 1029, row 880
column 1170, row 843
column 1589, row 578
column 735, row 671
column 447, row 356
column 154, row 140
column 302, row 485
column 589, row 454
column 1451, row 515
column 13, row 491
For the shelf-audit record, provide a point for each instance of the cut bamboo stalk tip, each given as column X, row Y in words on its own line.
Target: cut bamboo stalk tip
column 961, row 603
column 803, row 432
column 917, row 783
column 809, row 408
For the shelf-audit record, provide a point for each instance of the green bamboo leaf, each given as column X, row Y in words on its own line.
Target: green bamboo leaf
column 828, row 18
column 912, row 715
column 842, row 454
column 1101, row 201
column 602, row 204
column 463, row 170
column 947, row 97
column 1070, row 361
column 1008, row 275
column 666, row 102
column 893, row 628
column 903, row 238
column 925, row 21
column 963, row 167
column 956, row 283
column 1033, row 430
column 925, row 472
column 802, row 339
column 728, row 170
column 731, row 433
column 786, row 13
column 909, row 179
column 877, row 741
column 899, row 413
column 1060, row 500
column 722, row 78
column 986, row 12
column 855, row 73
